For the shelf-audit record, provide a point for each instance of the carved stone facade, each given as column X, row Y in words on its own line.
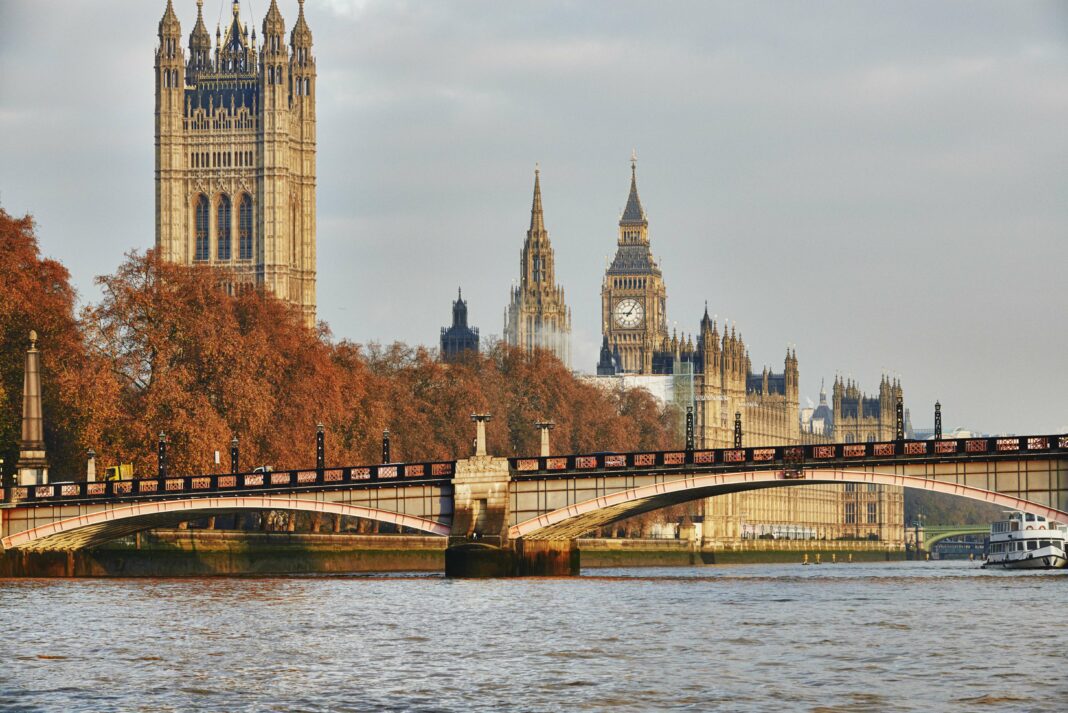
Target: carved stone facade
column 537, row 316
column 235, row 152
column 713, row 374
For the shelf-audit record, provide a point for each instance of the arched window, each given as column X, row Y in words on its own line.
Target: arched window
column 201, row 245
column 223, row 227
column 307, row 86
column 244, row 228
column 270, row 75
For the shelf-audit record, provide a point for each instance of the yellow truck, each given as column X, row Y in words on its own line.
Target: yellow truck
column 119, row 472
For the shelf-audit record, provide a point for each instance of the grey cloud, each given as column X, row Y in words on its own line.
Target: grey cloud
column 882, row 185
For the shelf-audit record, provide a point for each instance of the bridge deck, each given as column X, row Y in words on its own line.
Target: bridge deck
column 793, row 459
column 212, row 485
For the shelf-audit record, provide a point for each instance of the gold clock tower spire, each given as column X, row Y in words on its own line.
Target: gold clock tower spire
column 633, row 296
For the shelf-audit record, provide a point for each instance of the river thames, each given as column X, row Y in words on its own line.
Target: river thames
column 938, row 636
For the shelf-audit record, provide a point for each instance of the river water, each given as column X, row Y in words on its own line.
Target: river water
column 938, row 636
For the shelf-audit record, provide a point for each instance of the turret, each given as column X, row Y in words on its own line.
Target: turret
column 170, row 74
column 301, row 62
column 199, row 44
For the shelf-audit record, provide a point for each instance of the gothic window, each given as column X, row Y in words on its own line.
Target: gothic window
column 851, row 513
column 270, row 75
column 223, row 227
column 201, row 246
column 307, row 87
column 871, row 513
column 244, row 229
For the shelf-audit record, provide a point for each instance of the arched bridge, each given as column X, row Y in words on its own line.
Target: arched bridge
column 531, row 509
column 933, row 534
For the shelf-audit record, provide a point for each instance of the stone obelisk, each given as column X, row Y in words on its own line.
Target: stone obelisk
column 33, row 463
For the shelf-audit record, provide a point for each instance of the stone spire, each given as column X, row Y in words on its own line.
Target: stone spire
column 537, row 219
column 301, row 36
column 633, row 214
column 33, row 464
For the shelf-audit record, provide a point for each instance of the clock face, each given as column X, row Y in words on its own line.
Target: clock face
column 629, row 313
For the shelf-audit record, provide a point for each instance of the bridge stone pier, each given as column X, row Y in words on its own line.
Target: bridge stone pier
column 479, row 543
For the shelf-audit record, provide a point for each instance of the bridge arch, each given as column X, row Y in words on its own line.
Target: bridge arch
column 930, row 540
column 574, row 520
column 94, row 528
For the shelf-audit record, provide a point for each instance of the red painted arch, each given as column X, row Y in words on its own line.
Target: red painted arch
column 165, row 510
column 754, row 480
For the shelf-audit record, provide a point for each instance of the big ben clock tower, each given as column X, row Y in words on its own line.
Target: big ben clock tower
column 633, row 297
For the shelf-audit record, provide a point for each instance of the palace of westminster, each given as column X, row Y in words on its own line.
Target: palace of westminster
column 235, row 187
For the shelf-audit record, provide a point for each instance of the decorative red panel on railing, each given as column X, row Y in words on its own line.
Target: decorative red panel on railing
column 975, row 446
column 147, row 486
column 644, row 459
column 762, row 455
column 586, row 462
column 917, row 448
column 121, row 487
column 20, row 493
column 227, row 481
column 1037, row 444
column 173, row 484
column 70, row 490
column 333, row 476
column 734, row 456
column 441, row 469
column 674, row 458
column 417, row 470
column 387, row 471
column 202, row 483
column 704, row 457
column 363, row 473
column 307, row 476
column 254, row 480
column 1007, row 444
column 615, row 461
column 945, row 446
column 96, row 488
column 883, row 449
column 823, row 451
column 527, row 464
column 855, row 450
column 278, row 479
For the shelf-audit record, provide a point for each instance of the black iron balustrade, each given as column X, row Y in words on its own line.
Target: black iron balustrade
column 788, row 458
column 216, row 483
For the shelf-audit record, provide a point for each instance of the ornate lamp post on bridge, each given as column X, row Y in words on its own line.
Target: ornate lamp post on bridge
column 385, row 447
column 320, row 446
column 161, row 458
column 235, row 456
column 938, row 420
column 737, row 429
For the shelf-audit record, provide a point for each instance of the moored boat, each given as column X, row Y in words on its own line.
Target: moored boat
column 1027, row 541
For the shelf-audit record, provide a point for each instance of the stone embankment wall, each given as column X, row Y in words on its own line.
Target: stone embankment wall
column 191, row 553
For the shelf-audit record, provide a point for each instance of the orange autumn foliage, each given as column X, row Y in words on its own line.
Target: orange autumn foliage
column 167, row 349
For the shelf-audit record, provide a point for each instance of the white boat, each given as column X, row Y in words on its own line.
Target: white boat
column 1027, row 541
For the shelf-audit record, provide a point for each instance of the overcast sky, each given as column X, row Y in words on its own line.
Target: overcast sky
column 882, row 184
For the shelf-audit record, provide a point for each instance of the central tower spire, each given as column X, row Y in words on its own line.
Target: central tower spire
column 537, row 317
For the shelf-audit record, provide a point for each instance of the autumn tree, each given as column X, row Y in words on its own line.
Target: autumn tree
column 36, row 294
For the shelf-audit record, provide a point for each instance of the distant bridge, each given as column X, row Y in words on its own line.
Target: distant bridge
column 933, row 534
column 523, row 514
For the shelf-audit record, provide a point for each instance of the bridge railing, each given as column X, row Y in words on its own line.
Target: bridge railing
column 796, row 456
column 232, row 482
